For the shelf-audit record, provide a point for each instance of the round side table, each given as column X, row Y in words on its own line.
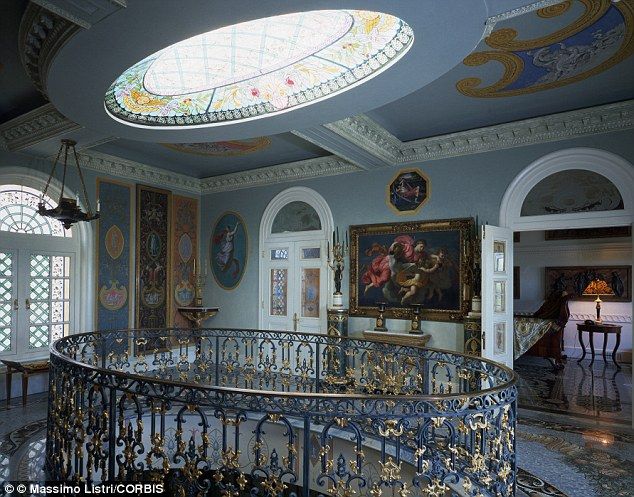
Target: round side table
column 606, row 329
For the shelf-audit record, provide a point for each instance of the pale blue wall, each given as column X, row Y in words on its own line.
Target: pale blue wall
column 460, row 187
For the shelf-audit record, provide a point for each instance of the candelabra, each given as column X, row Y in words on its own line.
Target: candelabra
column 199, row 284
column 339, row 251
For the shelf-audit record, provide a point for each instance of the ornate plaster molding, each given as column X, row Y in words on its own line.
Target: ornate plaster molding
column 115, row 166
column 33, row 127
column 608, row 318
column 555, row 127
column 281, row 173
column 615, row 249
column 42, row 33
column 493, row 20
column 368, row 135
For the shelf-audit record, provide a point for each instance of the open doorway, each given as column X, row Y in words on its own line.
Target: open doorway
column 571, row 213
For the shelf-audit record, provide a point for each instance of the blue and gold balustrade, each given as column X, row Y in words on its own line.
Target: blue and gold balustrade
column 263, row 413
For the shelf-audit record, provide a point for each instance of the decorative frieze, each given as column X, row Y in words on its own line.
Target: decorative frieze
column 281, row 173
column 36, row 126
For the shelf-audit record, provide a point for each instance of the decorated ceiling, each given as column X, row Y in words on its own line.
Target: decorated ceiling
column 412, row 73
column 259, row 67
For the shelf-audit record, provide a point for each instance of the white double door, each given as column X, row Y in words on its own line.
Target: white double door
column 497, row 294
column 294, row 286
column 36, row 299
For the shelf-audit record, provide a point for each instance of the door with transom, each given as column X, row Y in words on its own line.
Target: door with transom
column 36, row 285
column 294, row 296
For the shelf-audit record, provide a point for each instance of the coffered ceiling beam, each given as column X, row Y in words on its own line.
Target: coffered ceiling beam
column 357, row 139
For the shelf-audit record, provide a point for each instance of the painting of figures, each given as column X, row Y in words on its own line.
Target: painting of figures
column 410, row 263
column 229, row 250
column 408, row 191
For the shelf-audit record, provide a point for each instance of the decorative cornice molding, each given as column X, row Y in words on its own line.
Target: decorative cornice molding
column 607, row 318
column 555, row 127
column 33, row 127
column 115, row 166
column 493, row 20
column 368, row 135
column 41, row 34
column 281, row 173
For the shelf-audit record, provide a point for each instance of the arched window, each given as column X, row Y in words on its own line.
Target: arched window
column 18, row 212
column 38, row 281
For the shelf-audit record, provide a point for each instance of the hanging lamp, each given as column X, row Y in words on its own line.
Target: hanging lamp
column 68, row 211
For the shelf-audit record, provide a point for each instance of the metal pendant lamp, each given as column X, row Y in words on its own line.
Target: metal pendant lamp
column 68, row 211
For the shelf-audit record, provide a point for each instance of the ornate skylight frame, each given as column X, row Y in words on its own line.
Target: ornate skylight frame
column 370, row 43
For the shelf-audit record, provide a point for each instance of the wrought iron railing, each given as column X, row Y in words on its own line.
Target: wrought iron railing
column 263, row 413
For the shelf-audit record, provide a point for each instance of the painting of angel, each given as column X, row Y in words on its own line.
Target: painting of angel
column 410, row 263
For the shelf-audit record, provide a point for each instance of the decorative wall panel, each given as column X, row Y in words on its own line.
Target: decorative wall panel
column 152, row 257
column 184, row 248
column 113, row 256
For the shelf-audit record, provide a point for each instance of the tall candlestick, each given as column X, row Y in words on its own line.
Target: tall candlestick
column 328, row 249
column 194, row 265
column 333, row 240
column 337, row 234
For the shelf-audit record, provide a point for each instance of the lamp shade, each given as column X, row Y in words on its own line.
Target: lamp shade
column 598, row 287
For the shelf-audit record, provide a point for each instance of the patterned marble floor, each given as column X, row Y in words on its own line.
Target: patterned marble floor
column 573, row 439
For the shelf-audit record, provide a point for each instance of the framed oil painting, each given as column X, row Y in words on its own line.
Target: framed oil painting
column 408, row 191
column 574, row 279
column 422, row 262
column 229, row 250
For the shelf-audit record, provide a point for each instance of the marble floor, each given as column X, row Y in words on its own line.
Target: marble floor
column 574, row 435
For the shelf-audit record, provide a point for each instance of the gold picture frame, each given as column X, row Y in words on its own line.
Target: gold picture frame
column 421, row 262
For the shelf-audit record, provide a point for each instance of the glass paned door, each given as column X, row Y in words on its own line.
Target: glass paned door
column 8, row 300
column 49, row 298
column 295, row 290
column 35, row 300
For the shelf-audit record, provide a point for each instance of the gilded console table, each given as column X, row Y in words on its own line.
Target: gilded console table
column 198, row 314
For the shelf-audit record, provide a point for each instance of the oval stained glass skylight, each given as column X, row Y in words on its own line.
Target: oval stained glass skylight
column 258, row 68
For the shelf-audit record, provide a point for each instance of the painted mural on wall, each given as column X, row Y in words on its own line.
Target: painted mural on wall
column 113, row 256
column 227, row 148
column 152, row 257
column 574, row 280
column 410, row 263
column 408, row 191
column 184, row 249
column 228, row 250
column 581, row 38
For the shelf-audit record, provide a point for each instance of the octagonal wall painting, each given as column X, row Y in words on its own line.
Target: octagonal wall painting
column 257, row 68
column 408, row 191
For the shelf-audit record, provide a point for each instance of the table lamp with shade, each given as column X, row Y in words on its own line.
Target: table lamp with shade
column 598, row 287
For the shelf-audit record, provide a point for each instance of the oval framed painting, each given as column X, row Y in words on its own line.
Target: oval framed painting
column 229, row 249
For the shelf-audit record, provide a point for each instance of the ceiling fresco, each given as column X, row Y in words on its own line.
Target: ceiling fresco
column 566, row 56
column 227, row 148
column 593, row 41
column 571, row 191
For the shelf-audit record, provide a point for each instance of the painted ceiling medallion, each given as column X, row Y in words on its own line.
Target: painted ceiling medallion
column 257, row 68
column 598, row 39
column 222, row 148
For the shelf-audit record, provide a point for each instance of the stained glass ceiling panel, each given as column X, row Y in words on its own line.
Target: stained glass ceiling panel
column 258, row 68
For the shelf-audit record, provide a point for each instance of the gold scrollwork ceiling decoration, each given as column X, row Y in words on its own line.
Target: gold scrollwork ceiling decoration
column 557, row 59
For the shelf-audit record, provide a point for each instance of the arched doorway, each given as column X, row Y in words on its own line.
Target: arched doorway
column 614, row 168
column 46, row 286
column 294, row 275
column 566, row 190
